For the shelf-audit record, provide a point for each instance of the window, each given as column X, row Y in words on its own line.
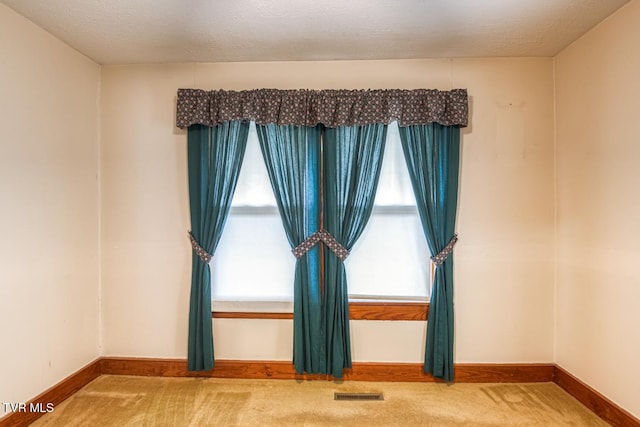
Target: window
column 254, row 263
column 391, row 258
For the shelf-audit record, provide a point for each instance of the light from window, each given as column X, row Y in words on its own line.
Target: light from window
column 391, row 258
column 253, row 261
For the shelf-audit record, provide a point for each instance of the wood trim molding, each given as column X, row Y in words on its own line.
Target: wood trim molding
column 401, row 372
column 388, row 310
column 54, row 395
column 357, row 311
column 249, row 315
column 596, row 402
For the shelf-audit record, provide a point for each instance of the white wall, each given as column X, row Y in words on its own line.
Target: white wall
column 49, row 311
column 504, row 260
column 598, row 246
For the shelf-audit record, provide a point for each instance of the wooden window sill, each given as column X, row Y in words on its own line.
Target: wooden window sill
column 357, row 311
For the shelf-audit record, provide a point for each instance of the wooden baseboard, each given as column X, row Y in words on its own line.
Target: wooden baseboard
column 52, row 397
column 597, row 403
column 400, row 372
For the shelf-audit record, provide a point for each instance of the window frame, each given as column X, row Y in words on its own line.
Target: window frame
column 358, row 310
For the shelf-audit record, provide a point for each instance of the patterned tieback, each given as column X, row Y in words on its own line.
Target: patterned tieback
column 204, row 255
column 335, row 246
column 306, row 246
column 444, row 254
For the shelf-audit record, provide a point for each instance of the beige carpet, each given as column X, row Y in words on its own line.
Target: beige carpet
column 142, row 401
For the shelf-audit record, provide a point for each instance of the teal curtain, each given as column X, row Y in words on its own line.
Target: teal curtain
column 352, row 157
column 292, row 158
column 214, row 159
column 432, row 154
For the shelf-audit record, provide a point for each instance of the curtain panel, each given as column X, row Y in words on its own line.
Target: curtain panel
column 332, row 108
column 214, row 157
column 352, row 158
column 432, row 154
column 292, row 157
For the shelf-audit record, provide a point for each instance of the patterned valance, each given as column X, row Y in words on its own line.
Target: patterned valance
column 331, row 108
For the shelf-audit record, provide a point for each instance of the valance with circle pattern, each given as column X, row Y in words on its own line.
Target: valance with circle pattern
column 331, row 108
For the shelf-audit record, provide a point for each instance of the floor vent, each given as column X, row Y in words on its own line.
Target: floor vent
column 358, row 396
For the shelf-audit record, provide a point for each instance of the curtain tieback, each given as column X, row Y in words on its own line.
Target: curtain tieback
column 442, row 256
column 331, row 242
column 204, row 255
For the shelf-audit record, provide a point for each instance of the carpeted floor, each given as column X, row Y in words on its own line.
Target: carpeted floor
column 149, row 401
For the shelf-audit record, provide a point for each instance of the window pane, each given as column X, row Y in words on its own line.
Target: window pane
column 253, row 260
column 394, row 187
column 390, row 259
column 253, row 188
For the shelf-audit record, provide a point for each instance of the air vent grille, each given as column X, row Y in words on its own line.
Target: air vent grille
column 358, row 396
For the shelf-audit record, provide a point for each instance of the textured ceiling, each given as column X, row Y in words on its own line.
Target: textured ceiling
column 151, row 31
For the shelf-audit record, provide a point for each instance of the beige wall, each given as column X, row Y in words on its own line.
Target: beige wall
column 598, row 202
column 504, row 260
column 49, row 311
